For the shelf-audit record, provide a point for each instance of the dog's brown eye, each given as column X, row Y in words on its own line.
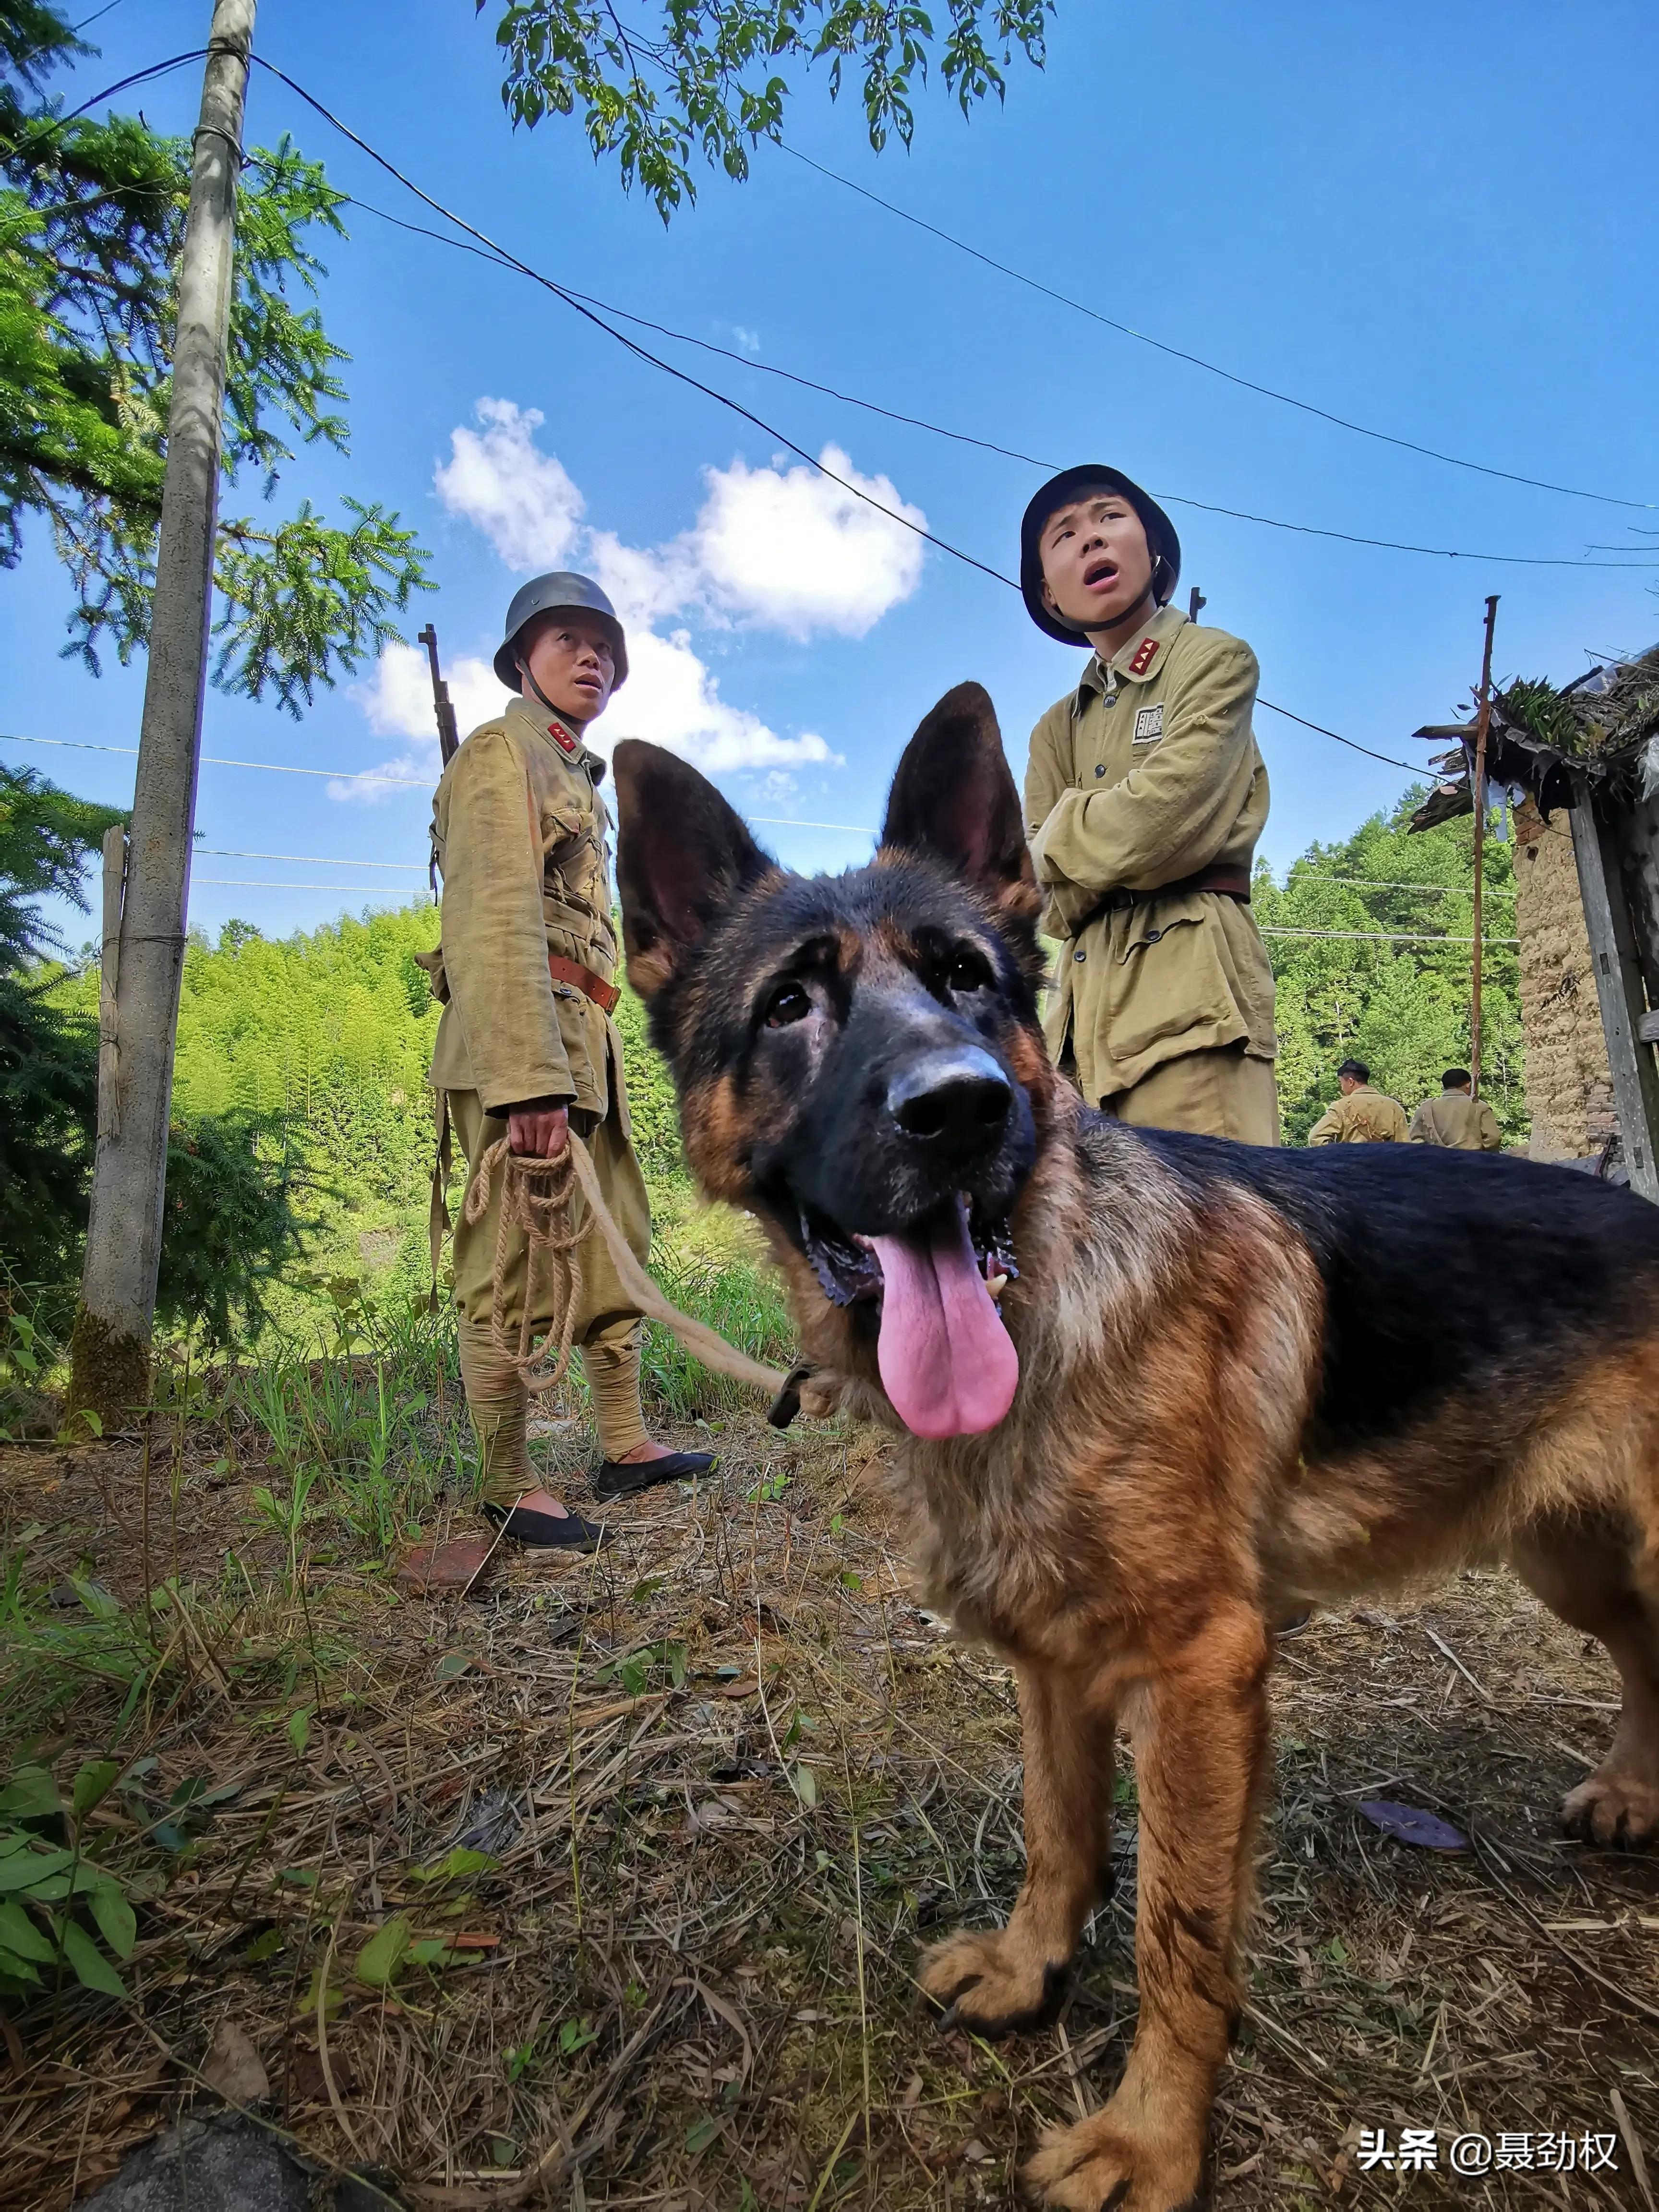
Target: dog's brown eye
column 788, row 1002
column 966, row 973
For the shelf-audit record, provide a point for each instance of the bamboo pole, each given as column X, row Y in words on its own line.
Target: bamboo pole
column 110, row 1346
column 1483, row 723
column 109, row 977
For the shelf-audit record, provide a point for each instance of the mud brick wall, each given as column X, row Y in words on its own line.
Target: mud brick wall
column 1569, row 1086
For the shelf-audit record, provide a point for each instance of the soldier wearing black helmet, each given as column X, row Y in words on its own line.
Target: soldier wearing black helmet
column 1145, row 798
column 526, row 1048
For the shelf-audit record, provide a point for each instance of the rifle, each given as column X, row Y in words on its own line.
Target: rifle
column 449, row 736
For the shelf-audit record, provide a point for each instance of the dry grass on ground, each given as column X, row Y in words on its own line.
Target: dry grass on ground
column 723, row 1779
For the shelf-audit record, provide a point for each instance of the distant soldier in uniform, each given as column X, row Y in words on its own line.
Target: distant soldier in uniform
column 1361, row 1116
column 1457, row 1118
column 526, row 1049
column 1143, row 801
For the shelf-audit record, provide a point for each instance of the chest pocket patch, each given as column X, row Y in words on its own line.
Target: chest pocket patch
column 1149, row 725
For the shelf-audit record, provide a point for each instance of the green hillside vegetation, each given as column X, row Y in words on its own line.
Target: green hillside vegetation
column 1401, row 1006
column 333, row 1029
column 325, row 1039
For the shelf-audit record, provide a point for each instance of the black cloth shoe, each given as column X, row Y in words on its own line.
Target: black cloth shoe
column 626, row 1477
column 546, row 1532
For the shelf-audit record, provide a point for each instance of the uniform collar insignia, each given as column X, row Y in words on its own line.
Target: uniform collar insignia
column 1137, row 659
column 574, row 746
column 569, row 742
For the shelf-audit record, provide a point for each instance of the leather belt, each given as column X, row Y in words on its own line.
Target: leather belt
column 1230, row 883
column 604, row 996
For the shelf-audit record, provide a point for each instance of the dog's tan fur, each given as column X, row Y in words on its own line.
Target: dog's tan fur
column 1148, row 1507
column 1124, row 1547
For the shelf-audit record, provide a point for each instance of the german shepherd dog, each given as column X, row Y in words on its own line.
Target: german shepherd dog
column 1156, row 1390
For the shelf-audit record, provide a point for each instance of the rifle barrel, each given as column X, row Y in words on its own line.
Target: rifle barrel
column 449, row 734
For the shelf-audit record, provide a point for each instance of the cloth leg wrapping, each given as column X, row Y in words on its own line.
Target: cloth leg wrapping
column 498, row 1402
column 612, row 1366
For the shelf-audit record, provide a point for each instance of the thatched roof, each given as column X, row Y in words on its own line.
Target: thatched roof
column 1601, row 723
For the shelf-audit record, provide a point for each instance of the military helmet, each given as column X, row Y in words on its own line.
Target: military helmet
column 562, row 591
column 1161, row 541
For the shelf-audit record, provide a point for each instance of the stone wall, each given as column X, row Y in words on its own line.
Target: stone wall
column 1568, row 1086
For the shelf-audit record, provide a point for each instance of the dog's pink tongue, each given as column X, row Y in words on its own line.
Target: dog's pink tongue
column 946, row 1361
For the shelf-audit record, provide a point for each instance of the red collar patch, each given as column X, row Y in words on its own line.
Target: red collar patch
column 562, row 738
column 1145, row 655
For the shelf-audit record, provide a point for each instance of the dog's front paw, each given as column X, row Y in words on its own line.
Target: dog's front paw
column 992, row 1984
column 1617, row 1808
column 1107, row 2161
column 822, row 1394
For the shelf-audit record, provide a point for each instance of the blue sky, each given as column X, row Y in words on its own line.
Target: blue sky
column 1438, row 222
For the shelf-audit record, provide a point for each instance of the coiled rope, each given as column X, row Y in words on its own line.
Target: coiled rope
column 536, row 1198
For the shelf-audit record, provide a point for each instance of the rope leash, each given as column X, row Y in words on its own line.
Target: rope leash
column 536, row 1197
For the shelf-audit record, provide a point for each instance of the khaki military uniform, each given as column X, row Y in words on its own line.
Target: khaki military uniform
column 1364, row 1117
column 1456, row 1119
column 526, row 972
column 1142, row 784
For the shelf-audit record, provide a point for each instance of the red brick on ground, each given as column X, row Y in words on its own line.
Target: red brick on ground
column 443, row 1569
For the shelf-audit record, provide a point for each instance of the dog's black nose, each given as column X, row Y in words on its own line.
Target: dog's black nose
column 958, row 1099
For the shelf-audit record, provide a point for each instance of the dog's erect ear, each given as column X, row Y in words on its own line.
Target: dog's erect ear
column 682, row 855
column 953, row 797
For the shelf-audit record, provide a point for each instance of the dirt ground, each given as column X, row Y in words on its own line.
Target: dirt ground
column 716, row 1785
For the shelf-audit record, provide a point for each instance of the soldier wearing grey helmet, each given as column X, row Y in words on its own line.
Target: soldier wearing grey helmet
column 1145, row 798
column 526, row 1048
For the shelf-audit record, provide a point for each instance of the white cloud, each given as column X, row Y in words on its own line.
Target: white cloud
column 644, row 584
column 397, row 703
column 671, row 699
column 749, row 340
column 794, row 551
column 772, row 547
column 519, row 497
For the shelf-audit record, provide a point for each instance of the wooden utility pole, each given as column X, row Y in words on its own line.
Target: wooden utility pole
column 1483, row 724
column 109, row 1348
column 1615, row 960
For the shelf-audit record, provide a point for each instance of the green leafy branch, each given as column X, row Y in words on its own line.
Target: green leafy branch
column 92, row 219
column 704, row 80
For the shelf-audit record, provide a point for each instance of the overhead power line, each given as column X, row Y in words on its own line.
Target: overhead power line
column 1412, row 766
column 620, row 336
column 1211, row 367
column 1385, row 936
column 1294, row 882
column 1638, row 558
column 210, row 759
column 312, row 859
column 501, row 254
column 258, row 883
column 21, row 146
column 709, row 391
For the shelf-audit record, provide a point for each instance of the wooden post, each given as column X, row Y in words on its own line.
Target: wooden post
column 1483, row 724
column 1615, row 957
column 109, row 1346
column 109, row 977
column 1637, row 826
